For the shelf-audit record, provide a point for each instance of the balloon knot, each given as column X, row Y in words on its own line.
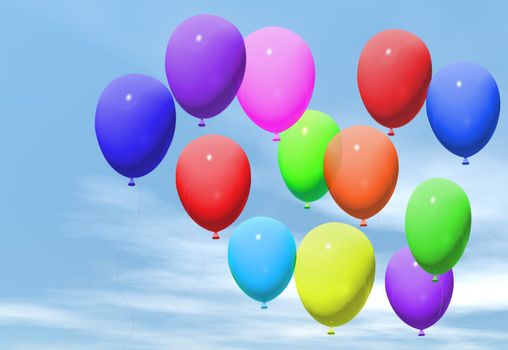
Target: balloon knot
column 202, row 123
column 465, row 161
column 264, row 306
column 390, row 132
column 306, row 206
column 422, row 333
column 434, row 279
column 276, row 137
column 331, row 331
column 363, row 223
column 131, row 182
column 215, row 236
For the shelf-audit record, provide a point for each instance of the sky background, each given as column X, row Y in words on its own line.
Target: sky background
column 66, row 215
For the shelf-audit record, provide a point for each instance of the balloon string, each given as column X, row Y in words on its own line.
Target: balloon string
column 315, row 218
column 203, row 260
column 118, row 282
column 442, row 299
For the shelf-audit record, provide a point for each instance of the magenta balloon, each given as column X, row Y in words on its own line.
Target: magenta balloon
column 415, row 298
column 205, row 64
column 279, row 78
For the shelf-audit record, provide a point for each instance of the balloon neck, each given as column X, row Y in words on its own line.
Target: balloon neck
column 363, row 223
column 276, row 137
column 465, row 161
column 434, row 279
column 215, row 235
column 390, row 132
column 131, row 182
column 202, row 123
column 331, row 331
column 264, row 306
column 306, row 206
column 421, row 333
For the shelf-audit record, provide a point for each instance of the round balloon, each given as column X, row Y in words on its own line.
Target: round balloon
column 361, row 169
column 135, row 123
column 463, row 106
column 213, row 181
column 417, row 300
column 438, row 222
column 394, row 72
column 261, row 257
column 334, row 273
column 301, row 153
column 279, row 79
column 205, row 64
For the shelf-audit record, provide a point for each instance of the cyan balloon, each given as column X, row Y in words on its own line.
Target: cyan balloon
column 463, row 106
column 135, row 123
column 261, row 257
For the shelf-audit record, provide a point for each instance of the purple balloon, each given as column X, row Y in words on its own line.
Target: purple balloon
column 415, row 298
column 135, row 123
column 205, row 64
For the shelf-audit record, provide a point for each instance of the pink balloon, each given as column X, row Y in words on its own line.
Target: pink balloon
column 279, row 79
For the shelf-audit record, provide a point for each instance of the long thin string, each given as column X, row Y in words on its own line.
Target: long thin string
column 442, row 301
column 121, row 250
column 203, row 260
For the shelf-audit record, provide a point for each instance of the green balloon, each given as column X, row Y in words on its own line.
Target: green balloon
column 301, row 154
column 438, row 222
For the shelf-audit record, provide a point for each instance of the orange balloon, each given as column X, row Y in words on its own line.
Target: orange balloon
column 361, row 167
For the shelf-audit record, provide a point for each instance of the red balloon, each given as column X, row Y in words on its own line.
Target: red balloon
column 394, row 72
column 213, row 181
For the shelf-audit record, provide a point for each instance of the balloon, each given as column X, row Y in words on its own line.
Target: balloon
column 438, row 222
column 261, row 257
column 394, row 72
column 361, row 169
column 135, row 123
column 463, row 106
column 213, row 181
column 205, row 64
column 301, row 154
column 417, row 300
column 334, row 273
column 279, row 79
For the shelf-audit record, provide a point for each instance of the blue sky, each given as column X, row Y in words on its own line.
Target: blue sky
column 66, row 214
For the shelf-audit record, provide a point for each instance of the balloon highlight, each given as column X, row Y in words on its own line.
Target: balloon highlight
column 334, row 273
column 394, row 71
column 361, row 168
column 279, row 79
column 213, row 181
column 205, row 64
column 261, row 257
column 463, row 106
column 438, row 223
column 135, row 123
column 418, row 301
column 301, row 154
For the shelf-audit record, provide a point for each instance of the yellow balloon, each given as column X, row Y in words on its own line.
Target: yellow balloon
column 334, row 273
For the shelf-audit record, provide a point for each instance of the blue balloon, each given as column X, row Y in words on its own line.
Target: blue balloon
column 135, row 123
column 463, row 107
column 262, row 256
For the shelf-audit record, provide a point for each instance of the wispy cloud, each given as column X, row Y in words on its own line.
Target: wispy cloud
column 182, row 287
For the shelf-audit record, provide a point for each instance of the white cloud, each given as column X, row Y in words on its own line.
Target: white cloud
column 183, row 296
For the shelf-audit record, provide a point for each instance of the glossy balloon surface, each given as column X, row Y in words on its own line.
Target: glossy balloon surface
column 301, row 153
column 334, row 272
column 213, row 181
column 361, row 168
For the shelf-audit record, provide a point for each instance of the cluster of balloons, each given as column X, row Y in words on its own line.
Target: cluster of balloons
column 208, row 63
column 438, row 223
column 395, row 79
